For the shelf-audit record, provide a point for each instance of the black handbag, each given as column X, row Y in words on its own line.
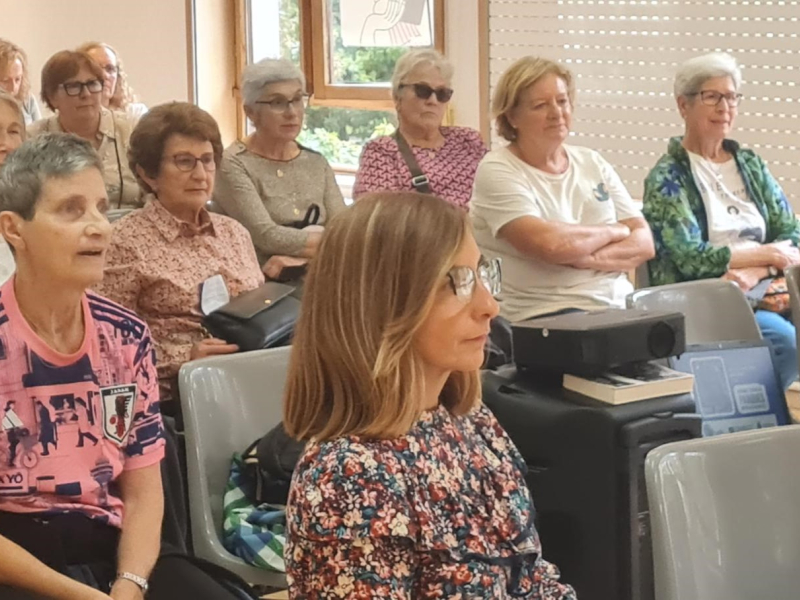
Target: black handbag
column 261, row 318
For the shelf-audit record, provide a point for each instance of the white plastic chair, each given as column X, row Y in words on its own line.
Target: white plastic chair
column 715, row 310
column 227, row 401
column 724, row 516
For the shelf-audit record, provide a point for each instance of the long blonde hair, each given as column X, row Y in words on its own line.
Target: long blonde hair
column 354, row 370
column 123, row 93
column 9, row 52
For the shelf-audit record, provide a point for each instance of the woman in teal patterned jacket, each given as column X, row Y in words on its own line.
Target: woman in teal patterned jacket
column 714, row 208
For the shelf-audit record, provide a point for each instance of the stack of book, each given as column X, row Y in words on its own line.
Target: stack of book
column 630, row 383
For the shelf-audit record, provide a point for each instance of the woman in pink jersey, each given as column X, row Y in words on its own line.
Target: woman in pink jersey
column 78, row 520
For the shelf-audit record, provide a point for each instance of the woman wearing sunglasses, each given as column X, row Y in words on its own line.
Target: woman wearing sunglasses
column 170, row 260
column 422, row 155
column 558, row 215
column 408, row 486
column 72, row 86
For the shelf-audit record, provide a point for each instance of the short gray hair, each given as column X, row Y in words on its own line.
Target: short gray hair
column 47, row 156
column 692, row 74
column 259, row 75
column 419, row 57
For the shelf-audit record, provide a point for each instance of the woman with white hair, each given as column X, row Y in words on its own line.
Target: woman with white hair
column 269, row 182
column 422, row 155
column 715, row 209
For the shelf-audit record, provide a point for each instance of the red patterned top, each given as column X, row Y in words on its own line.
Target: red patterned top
column 450, row 169
column 442, row 512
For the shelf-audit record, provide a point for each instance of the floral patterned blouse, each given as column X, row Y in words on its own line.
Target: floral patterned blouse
column 442, row 512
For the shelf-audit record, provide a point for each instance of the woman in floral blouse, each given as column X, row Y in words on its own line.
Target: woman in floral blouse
column 408, row 487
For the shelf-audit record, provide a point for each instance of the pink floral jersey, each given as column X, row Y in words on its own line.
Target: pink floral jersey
column 71, row 424
column 450, row 169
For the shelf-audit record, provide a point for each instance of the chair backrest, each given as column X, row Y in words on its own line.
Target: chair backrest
column 793, row 283
column 724, row 517
column 716, row 310
column 227, row 401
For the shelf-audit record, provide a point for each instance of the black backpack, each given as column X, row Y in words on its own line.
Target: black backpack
column 268, row 465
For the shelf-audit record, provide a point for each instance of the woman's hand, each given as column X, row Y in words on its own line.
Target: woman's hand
column 211, row 347
column 783, row 254
column 276, row 264
column 126, row 590
column 746, row 278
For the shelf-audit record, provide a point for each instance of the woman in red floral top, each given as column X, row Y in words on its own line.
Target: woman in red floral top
column 408, row 487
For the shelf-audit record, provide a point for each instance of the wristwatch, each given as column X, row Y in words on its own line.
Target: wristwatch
column 773, row 271
column 132, row 577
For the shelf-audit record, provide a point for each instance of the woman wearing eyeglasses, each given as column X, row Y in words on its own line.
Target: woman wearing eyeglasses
column 408, row 487
column 714, row 207
column 268, row 182
column 117, row 93
column 170, row 260
column 72, row 86
column 422, row 155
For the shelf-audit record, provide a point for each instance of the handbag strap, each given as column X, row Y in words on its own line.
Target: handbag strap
column 312, row 216
column 419, row 180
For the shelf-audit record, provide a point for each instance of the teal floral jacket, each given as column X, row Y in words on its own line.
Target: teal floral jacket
column 675, row 211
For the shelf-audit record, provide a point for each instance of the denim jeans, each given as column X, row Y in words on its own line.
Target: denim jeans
column 780, row 332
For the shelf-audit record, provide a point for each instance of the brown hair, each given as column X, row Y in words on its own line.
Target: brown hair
column 515, row 80
column 9, row 52
column 146, row 146
column 123, row 93
column 354, row 369
column 60, row 67
column 14, row 104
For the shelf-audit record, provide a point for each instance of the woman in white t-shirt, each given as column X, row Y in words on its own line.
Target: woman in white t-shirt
column 715, row 209
column 558, row 215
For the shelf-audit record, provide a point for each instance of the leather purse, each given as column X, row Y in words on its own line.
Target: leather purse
column 261, row 318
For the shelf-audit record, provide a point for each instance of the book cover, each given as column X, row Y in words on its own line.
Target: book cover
column 630, row 383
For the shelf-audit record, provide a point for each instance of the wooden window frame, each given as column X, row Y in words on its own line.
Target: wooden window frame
column 315, row 55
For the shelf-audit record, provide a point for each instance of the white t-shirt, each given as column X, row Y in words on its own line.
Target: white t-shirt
column 7, row 263
column 733, row 219
column 589, row 192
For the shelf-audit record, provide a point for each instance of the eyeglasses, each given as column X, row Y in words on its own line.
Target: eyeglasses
column 423, row 91
column 75, row 88
column 110, row 69
column 712, row 98
column 462, row 279
column 187, row 162
column 281, row 105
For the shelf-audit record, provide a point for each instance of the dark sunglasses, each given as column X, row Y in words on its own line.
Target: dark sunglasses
column 423, row 91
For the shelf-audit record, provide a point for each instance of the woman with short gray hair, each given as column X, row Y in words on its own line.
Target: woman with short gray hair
column 422, row 155
column 81, row 418
column 715, row 209
column 269, row 182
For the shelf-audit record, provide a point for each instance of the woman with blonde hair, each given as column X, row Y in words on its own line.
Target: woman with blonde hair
column 117, row 93
column 12, row 134
column 15, row 81
column 408, row 486
column 558, row 215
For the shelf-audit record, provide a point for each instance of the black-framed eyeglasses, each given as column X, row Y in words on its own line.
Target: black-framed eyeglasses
column 281, row 105
column 423, row 91
column 713, row 98
column 75, row 88
column 463, row 279
column 187, row 162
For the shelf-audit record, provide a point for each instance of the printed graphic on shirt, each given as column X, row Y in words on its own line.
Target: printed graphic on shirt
column 118, row 411
column 601, row 193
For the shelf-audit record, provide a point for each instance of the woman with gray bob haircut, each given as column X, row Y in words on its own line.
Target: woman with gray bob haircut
column 715, row 209
column 269, row 182
column 422, row 155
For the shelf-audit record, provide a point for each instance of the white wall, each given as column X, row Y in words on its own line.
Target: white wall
column 150, row 35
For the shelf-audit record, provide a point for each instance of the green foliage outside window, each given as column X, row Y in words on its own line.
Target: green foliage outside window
column 340, row 133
